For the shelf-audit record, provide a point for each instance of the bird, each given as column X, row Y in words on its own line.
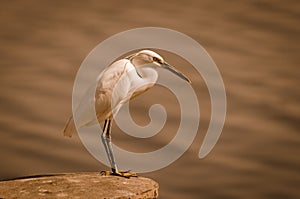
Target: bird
column 117, row 84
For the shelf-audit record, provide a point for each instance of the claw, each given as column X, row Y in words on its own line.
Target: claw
column 125, row 174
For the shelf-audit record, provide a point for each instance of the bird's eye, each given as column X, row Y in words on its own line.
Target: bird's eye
column 157, row 60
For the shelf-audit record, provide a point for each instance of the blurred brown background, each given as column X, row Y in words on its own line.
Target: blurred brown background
column 254, row 43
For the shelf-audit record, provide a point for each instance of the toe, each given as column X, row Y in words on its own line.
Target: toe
column 124, row 174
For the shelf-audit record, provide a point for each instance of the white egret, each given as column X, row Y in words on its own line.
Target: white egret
column 139, row 69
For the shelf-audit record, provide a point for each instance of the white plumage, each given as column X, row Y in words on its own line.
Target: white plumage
column 117, row 84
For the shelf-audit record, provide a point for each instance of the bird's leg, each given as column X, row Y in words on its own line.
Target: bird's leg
column 106, row 139
column 103, row 138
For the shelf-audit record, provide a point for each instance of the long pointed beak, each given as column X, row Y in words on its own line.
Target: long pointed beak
column 176, row 72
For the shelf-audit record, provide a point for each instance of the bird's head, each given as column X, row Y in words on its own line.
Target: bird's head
column 152, row 58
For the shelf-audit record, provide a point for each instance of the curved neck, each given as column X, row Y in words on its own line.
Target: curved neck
column 147, row 73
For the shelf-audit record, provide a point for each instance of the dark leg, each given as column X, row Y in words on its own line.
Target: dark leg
column 106, row 139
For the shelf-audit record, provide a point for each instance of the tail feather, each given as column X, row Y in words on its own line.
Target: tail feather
column 70, row 128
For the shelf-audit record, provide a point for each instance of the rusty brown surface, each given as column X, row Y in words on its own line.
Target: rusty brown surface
column 79, row 185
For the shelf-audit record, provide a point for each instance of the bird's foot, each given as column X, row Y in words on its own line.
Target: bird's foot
column 125, row 174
